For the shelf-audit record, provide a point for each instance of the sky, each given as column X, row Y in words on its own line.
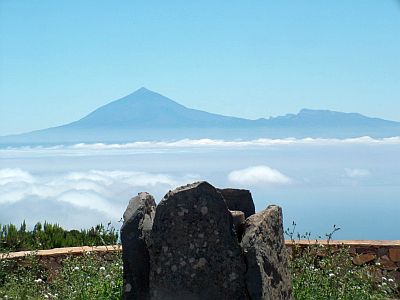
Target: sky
column 60, row 60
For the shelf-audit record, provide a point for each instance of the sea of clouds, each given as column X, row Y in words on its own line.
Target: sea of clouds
column 196, row 143
column 81, row 185
column 100, row 194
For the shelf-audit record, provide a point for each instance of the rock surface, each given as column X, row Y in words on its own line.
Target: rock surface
column 267, row 275
column 194, row 252
column 138, row 221
column 238, row 222
column 363, row 258
column 237, row 199
column 394, row 254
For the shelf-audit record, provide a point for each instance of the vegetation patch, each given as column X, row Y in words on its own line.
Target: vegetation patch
column 327, row 272
column 318, row 272
column 48, row 236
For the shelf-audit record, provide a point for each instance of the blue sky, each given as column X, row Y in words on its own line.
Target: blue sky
column 60, row 60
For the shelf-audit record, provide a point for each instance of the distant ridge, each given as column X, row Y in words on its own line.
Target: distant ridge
column 147, row 115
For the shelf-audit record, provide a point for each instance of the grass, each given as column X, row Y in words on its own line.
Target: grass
column 90, row 276
column 327, row 272
column 319, row 272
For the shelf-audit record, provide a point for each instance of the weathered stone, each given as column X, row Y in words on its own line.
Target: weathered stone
column 238, row 222
column 138, row 220
column 363, row 258
column 381, row 251
column 387, row 264
column 394, row 254
column 267, row 275
column 237, row 199
column 195, row 254
column 237, row 217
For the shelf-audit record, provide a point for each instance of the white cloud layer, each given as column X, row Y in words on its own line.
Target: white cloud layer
column 357, row 173
column 258, row 175
column 104, row 191
column 82, row 148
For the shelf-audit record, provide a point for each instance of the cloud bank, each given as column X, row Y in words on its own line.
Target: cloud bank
column 204, row 143
column 258, row 175
column 106, row 192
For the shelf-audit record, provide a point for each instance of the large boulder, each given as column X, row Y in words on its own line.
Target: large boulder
column 237, row 199
column 263, row 245
column 194, row 252
column 138, row 221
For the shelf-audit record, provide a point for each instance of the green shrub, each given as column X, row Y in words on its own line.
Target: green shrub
column 48, row 236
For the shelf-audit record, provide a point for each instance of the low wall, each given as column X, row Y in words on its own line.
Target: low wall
column 384, row 254
column 57, row 252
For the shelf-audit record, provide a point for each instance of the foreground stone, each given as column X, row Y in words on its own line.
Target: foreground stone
column 238, row 222
column 194, row 252
column 240, row 200
column 138, row 221
column 267, row 275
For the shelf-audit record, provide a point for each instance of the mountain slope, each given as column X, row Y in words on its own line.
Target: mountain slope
column 147, row 109
column 146, row 115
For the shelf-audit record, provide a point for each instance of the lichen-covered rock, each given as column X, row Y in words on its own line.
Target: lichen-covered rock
column 263, row 245
column 194, row 252
column 138, row 221
column 237, row 199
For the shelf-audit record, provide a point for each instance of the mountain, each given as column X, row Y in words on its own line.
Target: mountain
column 147, row 109
column 146, row 115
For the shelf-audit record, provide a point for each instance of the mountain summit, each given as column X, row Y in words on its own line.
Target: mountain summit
column 147, row 115
column 148, row 109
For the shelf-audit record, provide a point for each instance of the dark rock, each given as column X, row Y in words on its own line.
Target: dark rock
column 238, row 222
column 267, row 275
column 239, row 200
column 194, row 252
column 138, row 220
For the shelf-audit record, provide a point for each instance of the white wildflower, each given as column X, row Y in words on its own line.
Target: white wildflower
column 76, row 268
column 390, row 280
column 39, row 280
column 102, row 269
column 331, row 274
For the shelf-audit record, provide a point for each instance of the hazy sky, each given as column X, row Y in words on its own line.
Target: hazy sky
column 60, row 60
